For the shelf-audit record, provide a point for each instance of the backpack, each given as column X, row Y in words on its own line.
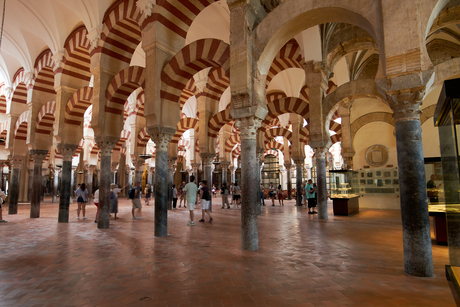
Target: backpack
column 132, row 193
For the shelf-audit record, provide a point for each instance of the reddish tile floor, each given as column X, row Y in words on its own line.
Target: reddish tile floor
column 345, row 261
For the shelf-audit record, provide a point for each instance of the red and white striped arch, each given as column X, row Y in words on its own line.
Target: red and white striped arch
column 272, row 96
column 43, row 80
column 304, row 94
column 285, row 105
column 77, row 105
column 2, row 99
column 4, row 131
column 79, row 148
column 191, row 59
column 93, row 149
column 76, row 61
column 45, row 118
column 19, row 87
column 218, row 121
column 218, row 82
column 271, row 152
column 124, row 135
column 57, row 154
column 183, row 125
column 143, row 137
column 289, row 56
column 123, row 85
column 177, row 15
column 236, row 152
column 304, row 134
column 20, row 128
column 139, row 107
column 270, row 134
column 336, row 138
column 274, row 145
column 190, row 90
column 231, row 142
column 121, row 33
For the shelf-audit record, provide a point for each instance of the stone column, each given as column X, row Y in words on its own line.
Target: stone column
column 104, row 182
column 196, row 168
column 113, row 172
column 418, row 259
column 139, row 169
column 299, row 161
column 38, row 156
column 260, row 154
column 16, row 164
column 67, row 151
column 224, row 167
column 289, row 181
column 72, row 184
column 43, row 187
column 55, row 183
column 1, row 175
column 171, row 171
column 321, row 186
column 206, row 159
column 249, row 168
column 31, row 183
column 89, row 182
column 161, row 184
column 232, row 172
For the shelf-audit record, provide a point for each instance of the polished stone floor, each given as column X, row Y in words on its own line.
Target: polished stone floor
column 345, row 261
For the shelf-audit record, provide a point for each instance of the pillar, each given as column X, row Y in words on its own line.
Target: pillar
column 55, row 183
column 89, row 182
column 260, row 154
column 249, row 169
column 113, row 172
column 72, row 184
column 161, row 184
column 232, row 172
column 196, row 168
column 31, row 184
column 224, row 167
column 16, row 164
column 299, row 161
column 106, row 148
column 139, row 169
column 321, row 187
column 38, row 156
column 171, row 168
column 206, row 160
column 418, row 259
column 289, row 181
column 2, row 187
column 67, row 152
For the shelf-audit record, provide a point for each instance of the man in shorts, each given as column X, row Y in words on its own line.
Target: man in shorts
column 137, row 199
column 191, row 190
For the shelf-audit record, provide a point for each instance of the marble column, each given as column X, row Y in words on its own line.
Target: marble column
column 260, row 161
column 224, row 167
column 161, row 141
column 232, row 172
column 16, row 164
column 72, row 184
column 31, row 182
column 299, row 161
column 67, row 151
column 196, row 168
column 106, row 148
column 289, row 181
column 139, row 169
column 171, row 171
column 89, row 182
column 321, row 186
column 206, row 160
column 249, row 168
column 55, row 184
column 418, row 259
column 38, row 156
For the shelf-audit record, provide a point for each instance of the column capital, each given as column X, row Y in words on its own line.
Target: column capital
column 16, row 162
column 206, row 158
column 406, row 103
column 161, row 140
column 298, row 160
column 38, row 156
column 320, row 152
column 106, row 147
column 248, row 126
column 67, row 151
column 224, row 164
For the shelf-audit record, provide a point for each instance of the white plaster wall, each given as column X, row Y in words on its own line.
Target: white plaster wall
column 373, row 134
column 430, row 139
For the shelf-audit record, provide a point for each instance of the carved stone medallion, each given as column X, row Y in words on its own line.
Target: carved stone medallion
column 377, row 155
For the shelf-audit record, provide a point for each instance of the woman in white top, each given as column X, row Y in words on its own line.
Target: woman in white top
column 81, row 193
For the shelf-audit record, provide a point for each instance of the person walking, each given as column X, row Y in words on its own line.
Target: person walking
column 310, row 191
column 81, row 194
column 279, row 191
column 148, row 194
column 191, row 191
column 205, row 196
column 114, row 191
column 262, row 195
column 136, row 201
column 174, row 196
column 224, row 193
column 237, row 191
column 272, row 193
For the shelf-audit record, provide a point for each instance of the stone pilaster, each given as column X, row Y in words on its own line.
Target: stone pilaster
column 321, row 186
column 289, row 181
column 418, row 259
column 161, row 184
column 67, row 151
column 38, row 156
column 106, row 148
column 299, row 162
column 206, row 160
column 16, row 164
column 249, row 169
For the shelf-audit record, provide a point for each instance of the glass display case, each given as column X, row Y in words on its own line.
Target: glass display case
column 343, row 190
